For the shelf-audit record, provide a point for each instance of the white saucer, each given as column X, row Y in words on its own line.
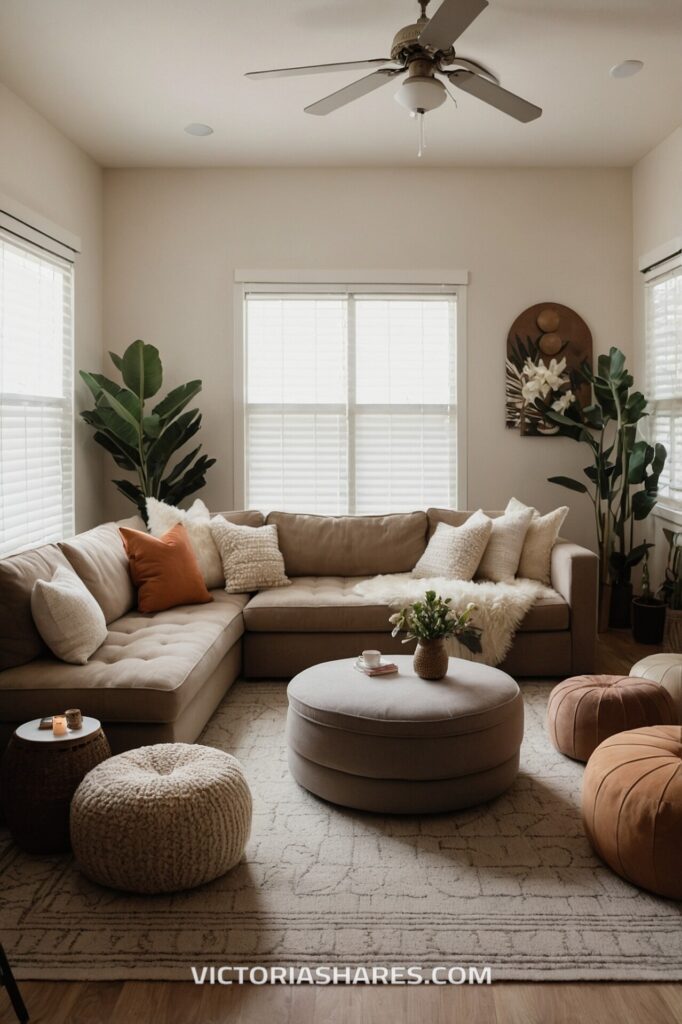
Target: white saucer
column 361, row 663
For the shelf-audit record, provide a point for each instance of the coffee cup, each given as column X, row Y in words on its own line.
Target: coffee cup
column 372, row 659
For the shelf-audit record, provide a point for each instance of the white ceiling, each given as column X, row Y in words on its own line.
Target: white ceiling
column 123, row 77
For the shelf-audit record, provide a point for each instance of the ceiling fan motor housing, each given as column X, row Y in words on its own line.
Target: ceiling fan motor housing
column 406, row 40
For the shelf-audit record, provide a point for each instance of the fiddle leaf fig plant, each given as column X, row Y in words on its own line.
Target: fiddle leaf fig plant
column 625, row 469
column 144, row 441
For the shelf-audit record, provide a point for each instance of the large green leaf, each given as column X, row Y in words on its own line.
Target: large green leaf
column 179, row 468
column 193, row 480
column 641, row 456
column 566, row 481
column 176, row 400
column 117, row 361
column 616, row 362
column 151, row 425
column 141, row 369
column 102, row 387
column 643, row 503
column 122, row 429
column 134, row 493
column 172, row 438
column 124, row 456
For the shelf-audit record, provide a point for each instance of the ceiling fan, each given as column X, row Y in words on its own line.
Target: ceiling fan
column 421, row 52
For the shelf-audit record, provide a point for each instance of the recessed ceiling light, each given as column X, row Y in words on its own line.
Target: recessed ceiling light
column 626, row 69
column 198, row 129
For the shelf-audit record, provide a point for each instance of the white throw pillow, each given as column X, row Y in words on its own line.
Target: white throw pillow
column 251, row 556
column 536, row 556
column 197, row 522
column 454, row 552
column 503, row 553
column 68, row 617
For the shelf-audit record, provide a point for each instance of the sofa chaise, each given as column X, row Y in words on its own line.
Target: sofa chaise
column 158, row 678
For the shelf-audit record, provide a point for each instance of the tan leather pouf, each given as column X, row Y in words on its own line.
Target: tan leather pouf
column 632, row 807
column 665, row 669
column 585, row 710
column 161, row 818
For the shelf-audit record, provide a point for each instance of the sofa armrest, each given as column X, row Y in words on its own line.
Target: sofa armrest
column 575, row 576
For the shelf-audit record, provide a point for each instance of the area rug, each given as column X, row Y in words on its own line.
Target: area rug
column 511, row 884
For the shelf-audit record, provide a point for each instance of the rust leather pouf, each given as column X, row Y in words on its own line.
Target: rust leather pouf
column 632, row 806
column 584, row 710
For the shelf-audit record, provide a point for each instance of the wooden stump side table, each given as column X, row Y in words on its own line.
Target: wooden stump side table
column 40, row 774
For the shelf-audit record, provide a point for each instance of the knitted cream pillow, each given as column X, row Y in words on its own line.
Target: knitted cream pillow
column 67, row 616
column 503, row 553
column 536, row 556
column 197, row 522
column 251, row 556
column 455, row 551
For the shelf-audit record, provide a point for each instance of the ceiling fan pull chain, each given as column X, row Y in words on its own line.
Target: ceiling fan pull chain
column 422, row 133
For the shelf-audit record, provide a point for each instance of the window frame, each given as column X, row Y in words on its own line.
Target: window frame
column 43, row 239
column 445, row 283
column 667, row 507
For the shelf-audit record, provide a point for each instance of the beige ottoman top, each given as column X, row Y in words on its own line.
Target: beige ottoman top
column 471, row 696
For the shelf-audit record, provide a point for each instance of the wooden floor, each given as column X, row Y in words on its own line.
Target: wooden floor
column 502, row 1003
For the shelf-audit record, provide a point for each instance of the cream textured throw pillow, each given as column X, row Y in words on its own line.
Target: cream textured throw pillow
column 68, row 617
column 536, row 556
column 503, row 553
column 251, row 556
column 197, row 522
column 455, row 551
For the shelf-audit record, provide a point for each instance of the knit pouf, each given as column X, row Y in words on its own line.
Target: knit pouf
column 161, row 818
column 632, row 806
column 665, row 669
column 585, row 710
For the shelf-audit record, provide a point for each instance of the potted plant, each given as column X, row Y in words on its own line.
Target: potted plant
column 671, row 592
column 622, row 477
column 143, row 442
column 648, row 612
column 430, row 622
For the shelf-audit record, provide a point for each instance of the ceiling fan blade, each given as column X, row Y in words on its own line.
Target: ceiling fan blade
column 316, row 69
column 495, row 95
column 449, row 21
column 354, row 91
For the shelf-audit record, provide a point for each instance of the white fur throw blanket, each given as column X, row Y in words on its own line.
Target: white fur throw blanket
column 500, row 607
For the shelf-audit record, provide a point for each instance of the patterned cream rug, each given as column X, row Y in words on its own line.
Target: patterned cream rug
column 512, row 884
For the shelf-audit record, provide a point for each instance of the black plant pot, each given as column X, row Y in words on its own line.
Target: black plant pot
column 621, row 605
column 648, row 620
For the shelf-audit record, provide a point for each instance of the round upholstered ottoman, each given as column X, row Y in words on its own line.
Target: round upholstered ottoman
column 161, row 818
column 399, row 744
column 665, row 669
column 584, row 710
column 632, row 806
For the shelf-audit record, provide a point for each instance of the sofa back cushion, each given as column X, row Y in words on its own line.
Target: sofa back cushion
column 99, row 558
column 20, row 641
column 249, row 517
column 349, row 545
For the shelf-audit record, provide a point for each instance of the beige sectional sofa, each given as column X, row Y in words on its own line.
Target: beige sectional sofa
column 158, row 678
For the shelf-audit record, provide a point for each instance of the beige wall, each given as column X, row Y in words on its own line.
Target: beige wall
column 47, row 173
column 657, row 218
column 175, row 237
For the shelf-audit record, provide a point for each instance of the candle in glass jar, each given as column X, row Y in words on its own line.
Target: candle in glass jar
column 59, row 725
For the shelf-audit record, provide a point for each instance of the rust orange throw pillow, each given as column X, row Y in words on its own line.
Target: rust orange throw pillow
column 164, row 569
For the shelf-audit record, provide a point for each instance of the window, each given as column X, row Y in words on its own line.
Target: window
column 664, row 373
column 350, row 399
column 36, row 408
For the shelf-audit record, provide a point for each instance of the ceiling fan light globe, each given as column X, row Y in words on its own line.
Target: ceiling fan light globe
column 421, row 94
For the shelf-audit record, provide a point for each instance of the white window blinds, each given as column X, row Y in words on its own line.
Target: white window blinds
column 664, row 374
column 36, row 407
column 350, row 401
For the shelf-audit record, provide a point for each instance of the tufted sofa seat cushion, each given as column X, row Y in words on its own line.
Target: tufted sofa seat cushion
column 147, row 670
column 323, row 604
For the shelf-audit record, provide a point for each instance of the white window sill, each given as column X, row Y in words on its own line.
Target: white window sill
column 669, row 513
